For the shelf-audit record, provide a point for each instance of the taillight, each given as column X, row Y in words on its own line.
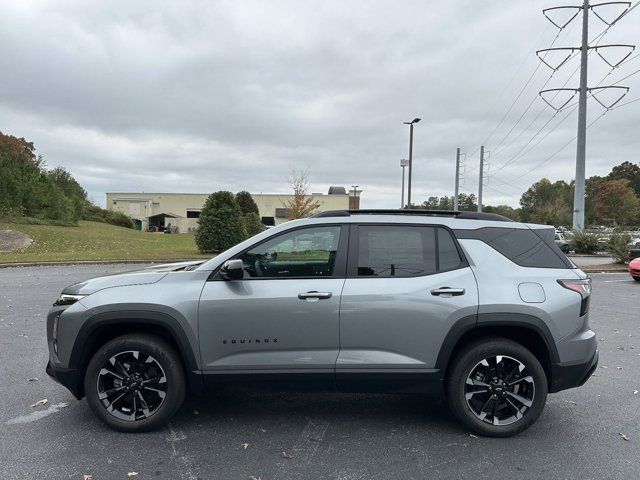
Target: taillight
column 583, row 288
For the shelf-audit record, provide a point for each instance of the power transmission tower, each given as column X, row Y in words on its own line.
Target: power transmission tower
column 457, row 187
column 583, row 90
column 481, row 180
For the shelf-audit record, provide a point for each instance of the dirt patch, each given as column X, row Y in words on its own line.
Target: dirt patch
column 12, row 240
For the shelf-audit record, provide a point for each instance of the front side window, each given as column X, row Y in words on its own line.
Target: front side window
column 308, row 252
column 396, row 251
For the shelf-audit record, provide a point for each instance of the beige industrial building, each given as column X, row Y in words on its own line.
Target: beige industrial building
column 157, row 211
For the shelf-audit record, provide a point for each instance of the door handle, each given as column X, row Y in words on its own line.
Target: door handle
column 447, row 291
column 314, row 294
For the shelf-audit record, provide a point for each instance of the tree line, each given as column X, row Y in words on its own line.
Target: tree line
column 28, row 189
column 610, row 200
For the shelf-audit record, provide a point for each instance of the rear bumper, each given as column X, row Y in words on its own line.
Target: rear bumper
column 564, row 376
column 67, row 377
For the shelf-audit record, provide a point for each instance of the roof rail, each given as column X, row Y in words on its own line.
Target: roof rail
column 418, row 212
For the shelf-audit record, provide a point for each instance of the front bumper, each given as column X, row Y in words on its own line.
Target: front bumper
column 67, row 377
column 564, row 376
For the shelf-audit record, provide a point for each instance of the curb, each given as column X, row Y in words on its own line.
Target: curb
column 96, row 262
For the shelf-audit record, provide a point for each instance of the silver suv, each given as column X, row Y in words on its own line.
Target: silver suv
column 486, row 311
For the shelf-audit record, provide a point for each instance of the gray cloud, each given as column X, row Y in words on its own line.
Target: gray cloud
column 199, row 96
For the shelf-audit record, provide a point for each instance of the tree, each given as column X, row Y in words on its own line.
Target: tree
column 616, row 201
column 246, row 203
column 220, row 225
column 504, row 210
column 591, row 195
column 546, row 202
column 465, row 203
column 629, row 171
column 250, row 213
column 71, row 188
column 301, row 204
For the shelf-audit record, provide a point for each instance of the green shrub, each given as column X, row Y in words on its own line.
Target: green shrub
column 252, row 224
column 119, row 219
column 246, row 203
column 584, row 242
column 94, row 213
column 221, row 224
column 618, row 246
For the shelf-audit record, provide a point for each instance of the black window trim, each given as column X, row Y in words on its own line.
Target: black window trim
column 352, row 259
column 339, row 270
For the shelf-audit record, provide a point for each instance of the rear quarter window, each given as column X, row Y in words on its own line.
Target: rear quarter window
column 523, row 246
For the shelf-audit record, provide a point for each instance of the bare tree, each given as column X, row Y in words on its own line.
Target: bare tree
column 301, row 204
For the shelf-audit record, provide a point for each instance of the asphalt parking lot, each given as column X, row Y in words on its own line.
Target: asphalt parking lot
column 237, row 435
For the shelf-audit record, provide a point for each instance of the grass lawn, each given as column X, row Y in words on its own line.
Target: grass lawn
column 98, row 241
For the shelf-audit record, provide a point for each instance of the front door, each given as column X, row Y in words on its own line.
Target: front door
column 283, row 316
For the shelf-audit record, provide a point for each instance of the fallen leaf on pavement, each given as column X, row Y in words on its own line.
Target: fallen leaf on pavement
column 619, row 368
column 635, row 392
column 624, row 437
column 132, row 474
column 473, row 436
column 286, row 455
column 253, row 477
column 245, row 445
column 40, row 402
column 88, row 477
column 34, row 379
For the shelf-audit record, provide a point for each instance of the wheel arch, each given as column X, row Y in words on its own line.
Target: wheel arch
column 103, row 327
column 527, row 330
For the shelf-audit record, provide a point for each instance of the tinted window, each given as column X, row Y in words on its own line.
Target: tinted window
column 396, row 251
column 448, row 256
column 522, row 246
column 308, row 252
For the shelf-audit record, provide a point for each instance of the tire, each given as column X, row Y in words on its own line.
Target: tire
column 637, row 279
column 126, row 383
column 529, row 384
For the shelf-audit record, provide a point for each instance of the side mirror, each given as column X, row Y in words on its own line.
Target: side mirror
column 232, row 270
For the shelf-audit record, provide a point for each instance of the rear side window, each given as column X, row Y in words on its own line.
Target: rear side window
column 523, row 246
column 396, row 251
column 448, row 255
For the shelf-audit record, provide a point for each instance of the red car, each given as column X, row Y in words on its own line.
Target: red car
column 634, row 269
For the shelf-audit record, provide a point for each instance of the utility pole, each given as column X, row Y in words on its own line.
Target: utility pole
column 583, row 90
column 481, row 178
column 455, row 192
column 578, row 190
column 411, row 124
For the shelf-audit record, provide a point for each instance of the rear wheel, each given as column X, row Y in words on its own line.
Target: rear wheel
column 135, row 383
column 496, row 387
column 637, row 279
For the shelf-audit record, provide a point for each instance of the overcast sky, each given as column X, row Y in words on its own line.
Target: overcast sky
column 198, row 96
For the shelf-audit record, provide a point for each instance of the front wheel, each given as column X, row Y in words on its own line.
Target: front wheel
column 637, row 279
column 135, row 383
column 496, row 387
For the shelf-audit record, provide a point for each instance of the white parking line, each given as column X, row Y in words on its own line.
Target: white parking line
column 37, row 415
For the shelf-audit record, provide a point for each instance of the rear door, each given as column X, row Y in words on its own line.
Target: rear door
column 407, row 285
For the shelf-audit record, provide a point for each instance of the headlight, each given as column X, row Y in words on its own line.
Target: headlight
column 67, row 299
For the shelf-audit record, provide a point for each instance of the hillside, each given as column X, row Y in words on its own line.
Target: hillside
column 98, row 241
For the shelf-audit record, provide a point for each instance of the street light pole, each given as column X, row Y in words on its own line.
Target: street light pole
column 403, row 163
column 411, row 124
